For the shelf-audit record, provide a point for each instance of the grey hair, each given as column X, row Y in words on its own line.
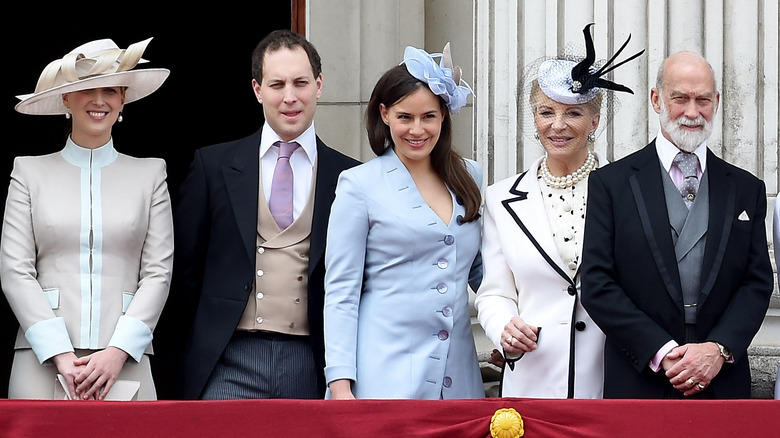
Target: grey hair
column 659, row 78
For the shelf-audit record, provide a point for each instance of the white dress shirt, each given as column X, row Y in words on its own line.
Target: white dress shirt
column 302, row 163
column 667, row 151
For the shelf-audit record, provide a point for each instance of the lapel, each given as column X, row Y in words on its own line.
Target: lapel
column 723, row 194
column 526, row 207
column 328, row 171
column 400, row 194
column 646, row 186
column 242, row 180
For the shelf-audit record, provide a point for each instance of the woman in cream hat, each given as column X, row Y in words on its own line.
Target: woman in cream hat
column 87, row 239
column 532, row 236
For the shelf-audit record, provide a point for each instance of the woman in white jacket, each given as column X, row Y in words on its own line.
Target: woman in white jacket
column 87, row 239
column 532, row 239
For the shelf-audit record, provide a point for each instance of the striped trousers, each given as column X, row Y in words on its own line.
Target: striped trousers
column 260, row 364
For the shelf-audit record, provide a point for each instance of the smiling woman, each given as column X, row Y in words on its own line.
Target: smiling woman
column 87, row 242
column 532, row 236
column 197, row 105
column 403, row 246
column 94, row 112
column 564, row 131
column 415, row 125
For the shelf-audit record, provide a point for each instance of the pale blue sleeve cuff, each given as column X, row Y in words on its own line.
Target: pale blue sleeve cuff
column 132, row 336
column 340, row 372
column 48, row 338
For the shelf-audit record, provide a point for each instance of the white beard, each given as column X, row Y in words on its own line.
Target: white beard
column 685, row 140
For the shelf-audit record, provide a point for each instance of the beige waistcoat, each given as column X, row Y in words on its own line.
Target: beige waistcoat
column 278, row 302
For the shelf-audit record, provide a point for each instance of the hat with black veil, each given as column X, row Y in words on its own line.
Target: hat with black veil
column 572, row 79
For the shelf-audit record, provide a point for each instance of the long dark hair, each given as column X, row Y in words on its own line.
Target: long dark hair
column 393, row 86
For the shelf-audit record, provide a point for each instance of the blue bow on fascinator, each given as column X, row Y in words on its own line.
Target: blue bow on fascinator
column 443, row 79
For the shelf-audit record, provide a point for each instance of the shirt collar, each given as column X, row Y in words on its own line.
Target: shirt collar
column 667, row 151
column 85, row 157
column 307, row 140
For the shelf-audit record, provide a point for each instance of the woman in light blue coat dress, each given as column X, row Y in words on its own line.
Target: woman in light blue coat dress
column 403, row 245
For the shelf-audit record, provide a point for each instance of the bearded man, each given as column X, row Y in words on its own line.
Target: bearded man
column 676, row 267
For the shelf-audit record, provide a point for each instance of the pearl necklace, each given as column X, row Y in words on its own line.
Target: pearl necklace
column 560, row 182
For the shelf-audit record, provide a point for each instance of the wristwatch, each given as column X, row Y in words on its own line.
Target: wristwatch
column 724, row 351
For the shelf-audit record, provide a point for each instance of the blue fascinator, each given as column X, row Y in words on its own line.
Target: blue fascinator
column 443, row 79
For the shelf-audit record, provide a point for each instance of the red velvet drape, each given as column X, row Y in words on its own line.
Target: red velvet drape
column 388, row 418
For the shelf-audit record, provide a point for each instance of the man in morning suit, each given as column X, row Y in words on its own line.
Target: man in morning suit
column 676, row 267
column 249, row 262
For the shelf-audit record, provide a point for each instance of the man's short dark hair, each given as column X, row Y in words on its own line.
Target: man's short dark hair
column 283, row 39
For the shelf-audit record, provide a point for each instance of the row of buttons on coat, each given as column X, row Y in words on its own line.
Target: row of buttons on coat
column 442, row 288
column 442, row 263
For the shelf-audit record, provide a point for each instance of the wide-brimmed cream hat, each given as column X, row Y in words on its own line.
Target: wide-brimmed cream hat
column 96, row 64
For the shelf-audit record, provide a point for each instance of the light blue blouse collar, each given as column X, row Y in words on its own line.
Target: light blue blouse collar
column 83, row 157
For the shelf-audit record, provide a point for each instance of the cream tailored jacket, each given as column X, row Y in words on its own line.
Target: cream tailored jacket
column 86, row 250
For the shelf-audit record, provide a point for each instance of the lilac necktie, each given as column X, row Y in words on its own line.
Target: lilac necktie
column 689, row 166
column 281, row 201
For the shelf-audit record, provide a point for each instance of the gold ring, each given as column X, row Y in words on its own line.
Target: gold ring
column 690, row 382
column 510, row 339
column 700, row 386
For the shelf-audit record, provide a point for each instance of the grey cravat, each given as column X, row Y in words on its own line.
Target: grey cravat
column 689, row 166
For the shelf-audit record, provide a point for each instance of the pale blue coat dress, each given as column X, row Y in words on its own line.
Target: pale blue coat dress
column 396, row 316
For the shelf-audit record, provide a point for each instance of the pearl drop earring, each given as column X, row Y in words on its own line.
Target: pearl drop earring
column 120, row 118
